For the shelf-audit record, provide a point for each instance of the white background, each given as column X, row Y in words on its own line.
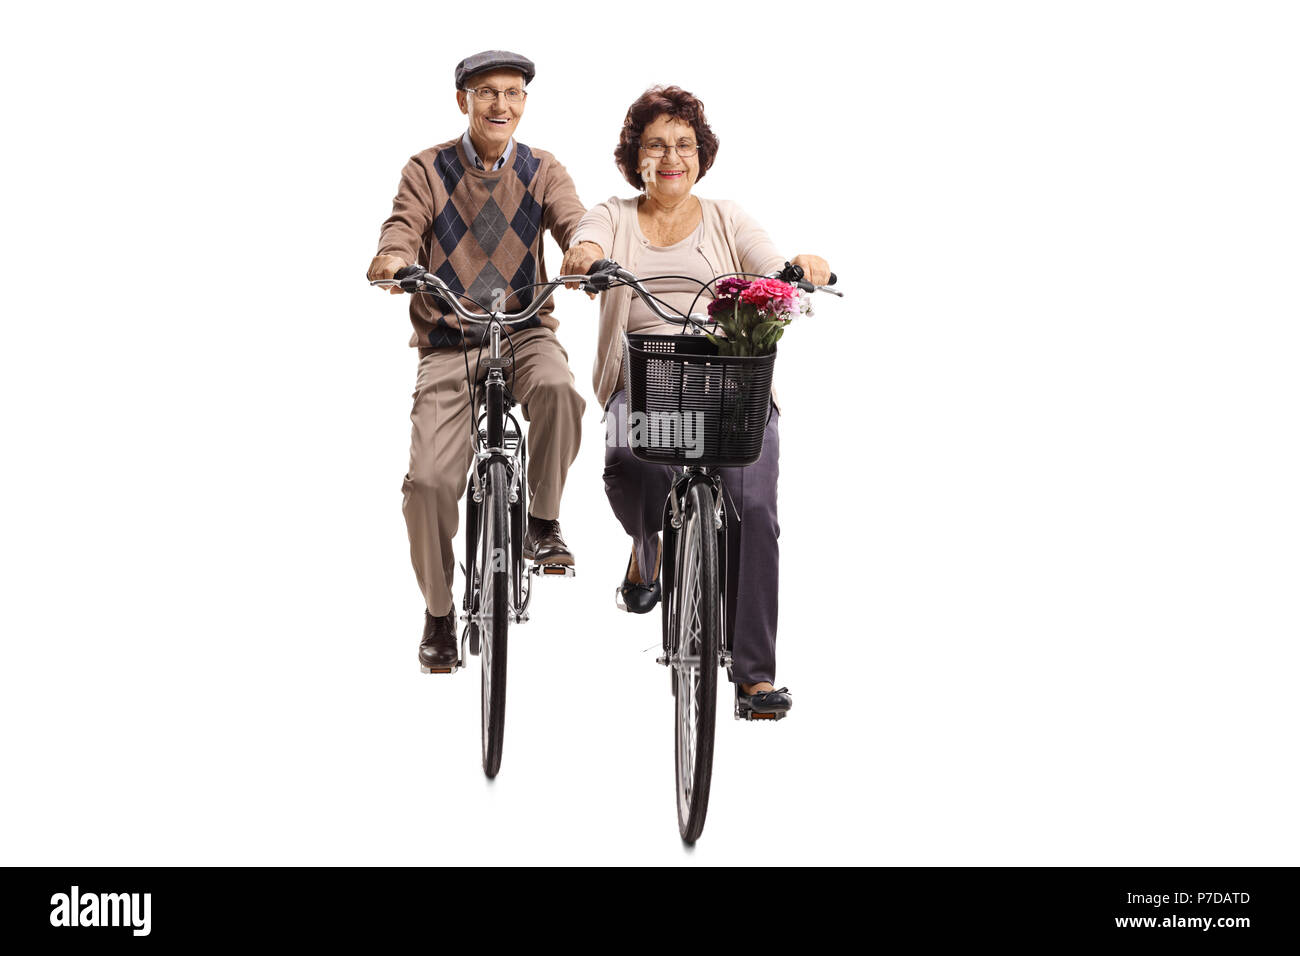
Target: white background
column 1039, row 470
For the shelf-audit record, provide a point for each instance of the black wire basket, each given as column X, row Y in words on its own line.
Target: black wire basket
column 688, row 405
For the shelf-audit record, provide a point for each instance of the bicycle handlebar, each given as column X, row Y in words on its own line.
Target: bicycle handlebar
column 417, row 279
column 603, row 272
column 599, row 278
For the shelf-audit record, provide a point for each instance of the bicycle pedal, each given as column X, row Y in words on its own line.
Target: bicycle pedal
column 441, row 670
column 743, row 714
column 553, row 570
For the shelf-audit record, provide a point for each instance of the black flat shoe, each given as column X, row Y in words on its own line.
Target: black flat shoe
column 764, row 704
column 636, row 598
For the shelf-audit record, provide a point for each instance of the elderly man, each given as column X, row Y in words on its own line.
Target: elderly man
column 472, row 211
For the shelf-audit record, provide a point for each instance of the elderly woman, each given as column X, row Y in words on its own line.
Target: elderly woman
column 665, row 146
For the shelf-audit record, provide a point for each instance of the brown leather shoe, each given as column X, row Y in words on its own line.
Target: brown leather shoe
column 543, row 543
column 439, row 653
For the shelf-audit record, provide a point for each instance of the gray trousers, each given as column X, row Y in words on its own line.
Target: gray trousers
column 637, row 491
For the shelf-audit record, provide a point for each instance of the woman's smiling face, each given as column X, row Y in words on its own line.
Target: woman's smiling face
column 670, row 177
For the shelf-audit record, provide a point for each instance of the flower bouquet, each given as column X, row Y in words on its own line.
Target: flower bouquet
column 753, row 314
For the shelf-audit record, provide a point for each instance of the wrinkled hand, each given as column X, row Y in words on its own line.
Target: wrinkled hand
column 578, row 260
column 385, row 267
column 815, row 269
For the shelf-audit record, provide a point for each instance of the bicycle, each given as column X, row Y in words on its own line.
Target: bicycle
column 497, row 589
column 673, row 375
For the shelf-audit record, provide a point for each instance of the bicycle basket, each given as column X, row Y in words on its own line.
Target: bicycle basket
column 688, row 405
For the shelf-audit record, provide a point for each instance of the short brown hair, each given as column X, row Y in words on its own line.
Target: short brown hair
column 653, row 103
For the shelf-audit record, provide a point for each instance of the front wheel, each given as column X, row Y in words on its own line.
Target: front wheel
column 494, row 572
column 693, row 640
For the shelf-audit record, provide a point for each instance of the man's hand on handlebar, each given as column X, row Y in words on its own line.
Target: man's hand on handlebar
column 578, row 260
column 385, row 267
column 815, row 269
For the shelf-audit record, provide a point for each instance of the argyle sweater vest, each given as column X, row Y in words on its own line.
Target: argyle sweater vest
column 480, row 232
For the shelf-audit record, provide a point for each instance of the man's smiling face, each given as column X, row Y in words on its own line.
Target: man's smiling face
column 493, row 122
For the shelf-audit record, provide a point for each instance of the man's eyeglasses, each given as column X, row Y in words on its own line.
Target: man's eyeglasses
column 486, row 94
column 659, row 150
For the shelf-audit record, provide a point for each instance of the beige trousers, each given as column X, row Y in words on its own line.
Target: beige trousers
column 441, row 447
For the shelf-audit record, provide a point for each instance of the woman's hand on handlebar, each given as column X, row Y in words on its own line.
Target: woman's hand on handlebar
column 815, row 269
column 385, row 267
column 578, row 260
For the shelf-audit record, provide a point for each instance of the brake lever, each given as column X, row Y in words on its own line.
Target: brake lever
column 600, row 276
column 794, row 275
column 410, row 278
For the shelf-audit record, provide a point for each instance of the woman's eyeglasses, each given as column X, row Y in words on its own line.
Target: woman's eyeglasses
column 660, row 150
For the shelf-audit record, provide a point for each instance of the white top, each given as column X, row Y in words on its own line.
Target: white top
column 680, row 259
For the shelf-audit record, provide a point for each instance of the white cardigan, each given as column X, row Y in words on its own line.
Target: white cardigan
column 731, row 242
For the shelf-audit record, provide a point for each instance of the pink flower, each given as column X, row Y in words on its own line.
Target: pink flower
column 761, row 292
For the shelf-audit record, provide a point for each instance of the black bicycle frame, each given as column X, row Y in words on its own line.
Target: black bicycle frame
column 497, row 403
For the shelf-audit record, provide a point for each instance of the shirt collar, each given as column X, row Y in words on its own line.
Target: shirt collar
column 478, row 163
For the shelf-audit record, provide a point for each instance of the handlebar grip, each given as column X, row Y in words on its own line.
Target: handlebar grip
column 602, row 272
column 794, row 275
column 408, row 277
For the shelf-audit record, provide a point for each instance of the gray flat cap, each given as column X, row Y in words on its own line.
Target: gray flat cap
column 493, row 60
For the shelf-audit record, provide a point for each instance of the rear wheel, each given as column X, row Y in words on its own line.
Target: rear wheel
column 494, row 572
column 694, row 643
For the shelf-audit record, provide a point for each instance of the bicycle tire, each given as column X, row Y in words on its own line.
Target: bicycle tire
column 495, row 601
column 519, row 530
column 695, row 625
